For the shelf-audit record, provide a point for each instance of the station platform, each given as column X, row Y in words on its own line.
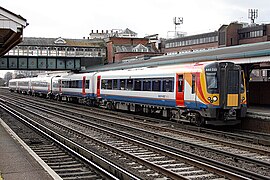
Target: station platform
column 18, row 161
column 257, row 119
column 261, row 112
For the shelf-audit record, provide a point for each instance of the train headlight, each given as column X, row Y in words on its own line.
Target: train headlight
column 243, row 98
column 215, row 98
column 209, row 98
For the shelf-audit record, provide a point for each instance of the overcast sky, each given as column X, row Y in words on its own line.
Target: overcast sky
column 76, row 18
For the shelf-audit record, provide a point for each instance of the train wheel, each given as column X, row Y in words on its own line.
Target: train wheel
column 58, row 98
column 110, row 106
column 199, row 120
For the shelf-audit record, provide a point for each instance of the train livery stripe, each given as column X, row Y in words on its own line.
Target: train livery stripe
column 200, row 92
column 143, row 100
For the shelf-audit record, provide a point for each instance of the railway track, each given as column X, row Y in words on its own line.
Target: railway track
column 251, row 137
column 175, row 141
column 148, row 161
column 60, row 157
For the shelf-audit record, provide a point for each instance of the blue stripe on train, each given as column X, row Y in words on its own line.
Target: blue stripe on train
column 195, row 105
column 151, row 101
column 141, row 100
column 77, row 94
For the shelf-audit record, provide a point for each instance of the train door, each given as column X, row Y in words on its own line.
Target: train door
column 60, row 86
column 190, row 92
column 180, row 90
column 51, row 81
column 98, row 86
column 194, row 89
column 83, row 85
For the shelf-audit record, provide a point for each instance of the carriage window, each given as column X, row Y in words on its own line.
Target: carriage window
column 137, row 85
column 109, row 84
column 122, row 84
column 242, row 82
column 168, row 85
column 180, row 83
column 87, row 83
column 212, row 81
column 65, row 84
column 103, row 84
column 193, row 83
column 147, row 85
column 55, row 84
column 130, row 84
column 156, row 85
column 115, row 84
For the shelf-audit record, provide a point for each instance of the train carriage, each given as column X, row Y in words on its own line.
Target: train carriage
column 41, row 85
column 76, row 87
column 12, row 85
column 23, row 85
column 201, row 93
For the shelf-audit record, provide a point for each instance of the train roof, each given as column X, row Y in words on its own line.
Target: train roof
column 156, row 71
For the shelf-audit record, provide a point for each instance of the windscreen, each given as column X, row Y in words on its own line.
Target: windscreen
column 211, row 75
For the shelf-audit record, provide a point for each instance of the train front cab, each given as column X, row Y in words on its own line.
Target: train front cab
column 226, row 94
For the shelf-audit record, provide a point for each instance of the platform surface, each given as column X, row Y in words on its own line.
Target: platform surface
column 16, row 162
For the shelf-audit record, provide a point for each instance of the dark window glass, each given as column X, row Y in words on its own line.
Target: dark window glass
column 212, row 81
column 115, row 84
column 242, row 82
column 122, row 84
column 233, row 81
column 78, row 84
column 180, row 83
column 55, row 84
column 147, row 85
column 103, row 84
column 156, row 85
column 193, row 83
column 137, row 85
column 130, row 84
column 87, row 83
column 65, row 84
column 109, row 84
column 167, row 85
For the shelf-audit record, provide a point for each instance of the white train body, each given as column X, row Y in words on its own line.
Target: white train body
column 76, row 85
column 20, row 85
column 209, row 92
column 137, row 86
column 40, row 85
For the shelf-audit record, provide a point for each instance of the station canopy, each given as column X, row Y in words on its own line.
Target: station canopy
column 11, row 30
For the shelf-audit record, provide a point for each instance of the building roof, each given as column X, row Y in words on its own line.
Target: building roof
column 33, row 41
column 19, row 18
column 133, row 48
column 128, row 31
column 11, row 30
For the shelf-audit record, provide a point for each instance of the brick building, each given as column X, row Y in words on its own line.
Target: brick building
column 124, row 44
column 120, row 48
column 227, row 35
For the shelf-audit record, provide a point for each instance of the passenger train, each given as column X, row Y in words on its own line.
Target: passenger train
column 201, row 93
